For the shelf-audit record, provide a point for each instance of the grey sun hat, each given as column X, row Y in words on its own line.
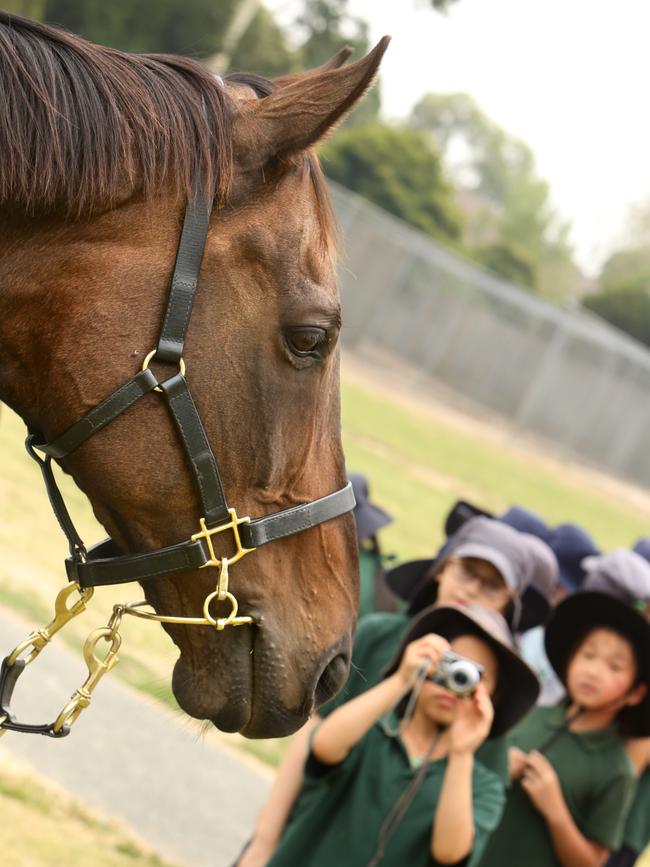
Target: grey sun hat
column 543, row 580
column 621, row 573
column 484, row 538
column 517, row 686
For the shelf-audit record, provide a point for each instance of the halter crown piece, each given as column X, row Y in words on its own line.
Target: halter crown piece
column 102, row 564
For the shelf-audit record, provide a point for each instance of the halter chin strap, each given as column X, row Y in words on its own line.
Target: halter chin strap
column 103, row 564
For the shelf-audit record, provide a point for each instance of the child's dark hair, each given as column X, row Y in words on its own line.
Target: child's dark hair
column 624, row 720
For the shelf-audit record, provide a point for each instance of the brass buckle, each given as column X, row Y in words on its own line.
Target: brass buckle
column 207, row 534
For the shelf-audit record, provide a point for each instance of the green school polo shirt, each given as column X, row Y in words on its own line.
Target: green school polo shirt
column 369, row 562
column 341, row 809
column 377, row 640
column 598, row 783
column 637, row 826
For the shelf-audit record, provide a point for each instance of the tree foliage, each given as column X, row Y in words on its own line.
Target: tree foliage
column 192, row 27
column 327, row 26
column 626, row 268
column 627, row 308
column 398, row 170
column 509, row 261
column 500, row 169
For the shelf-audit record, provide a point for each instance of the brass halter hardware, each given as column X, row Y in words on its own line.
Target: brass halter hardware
column 150, row 355
column 98, row 667
column 220, row 593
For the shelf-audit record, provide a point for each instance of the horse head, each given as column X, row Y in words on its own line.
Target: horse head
column 100, row 150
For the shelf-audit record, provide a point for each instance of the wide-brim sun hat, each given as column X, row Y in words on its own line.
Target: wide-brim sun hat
column 517, row 686
column 588, row 610
column 369, row 518
column 480, row 537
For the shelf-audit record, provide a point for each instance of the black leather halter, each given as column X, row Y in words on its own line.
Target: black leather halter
column 102, row 564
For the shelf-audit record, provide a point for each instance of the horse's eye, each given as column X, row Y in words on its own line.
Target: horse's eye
column 306, row 341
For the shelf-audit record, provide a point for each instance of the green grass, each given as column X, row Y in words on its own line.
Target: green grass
column 418, row 464
column 42, row 826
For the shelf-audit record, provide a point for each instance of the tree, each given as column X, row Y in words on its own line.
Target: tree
column 327, row 26
column 398, row 170
column 192, row 27
column 627, row 308
column 499, row 169
column 263, row 48
column 625, row 268
column 508, row 261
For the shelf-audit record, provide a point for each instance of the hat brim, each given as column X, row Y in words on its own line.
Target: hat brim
column 517, row 686
column 370, row 519
column 405, row 580
column 460, row 513
column 492, row 555
column 588, row 610
column 535, row 610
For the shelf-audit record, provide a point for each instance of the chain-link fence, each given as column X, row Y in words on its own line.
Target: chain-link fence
column 562, row 374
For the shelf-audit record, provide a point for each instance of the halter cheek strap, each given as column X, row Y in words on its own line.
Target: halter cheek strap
column 103, row 564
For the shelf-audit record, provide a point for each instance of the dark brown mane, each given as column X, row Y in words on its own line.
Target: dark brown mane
column 81, row 123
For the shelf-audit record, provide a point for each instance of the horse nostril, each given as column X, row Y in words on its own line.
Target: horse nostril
column 332, row 679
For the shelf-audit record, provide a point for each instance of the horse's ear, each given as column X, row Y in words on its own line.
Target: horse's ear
column 333, row 63
column 295, row 117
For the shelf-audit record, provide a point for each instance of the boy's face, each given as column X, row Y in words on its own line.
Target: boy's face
column 441, row 705
column 470, row 581
column 602, row 671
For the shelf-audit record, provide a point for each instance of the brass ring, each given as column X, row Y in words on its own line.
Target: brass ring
column 150, row 355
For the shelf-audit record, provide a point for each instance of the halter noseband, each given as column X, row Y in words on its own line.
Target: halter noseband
column 102, row 564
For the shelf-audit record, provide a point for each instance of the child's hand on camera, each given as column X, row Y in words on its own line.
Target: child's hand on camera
column 473, row 722
column 425, row 651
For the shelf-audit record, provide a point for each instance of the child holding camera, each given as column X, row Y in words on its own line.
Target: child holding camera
column 391, row 777
column 573, row 779
column 489, row 564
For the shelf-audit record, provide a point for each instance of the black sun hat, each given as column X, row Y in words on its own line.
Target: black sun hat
column 589, row 610
column 517, row 686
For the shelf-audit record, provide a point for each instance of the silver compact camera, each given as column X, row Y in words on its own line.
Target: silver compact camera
column 457, row 674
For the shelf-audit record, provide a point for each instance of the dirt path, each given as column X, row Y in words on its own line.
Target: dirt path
column 178, row 789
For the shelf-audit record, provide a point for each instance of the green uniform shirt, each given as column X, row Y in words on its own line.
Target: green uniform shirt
column 369, row 563
column 377, row 641
column 597, row 779
column 341, row 809
column 637, row 827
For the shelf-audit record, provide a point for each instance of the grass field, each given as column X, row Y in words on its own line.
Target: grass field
column 42, row 826
column 419, row 462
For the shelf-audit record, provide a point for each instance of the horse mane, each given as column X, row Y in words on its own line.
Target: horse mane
column 80, row 123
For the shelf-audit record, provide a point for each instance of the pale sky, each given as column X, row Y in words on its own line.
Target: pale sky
column 569, row 77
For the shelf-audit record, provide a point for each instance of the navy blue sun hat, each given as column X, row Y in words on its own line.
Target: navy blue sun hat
column 369, row 517
column 526, row 522
column 571, row 545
